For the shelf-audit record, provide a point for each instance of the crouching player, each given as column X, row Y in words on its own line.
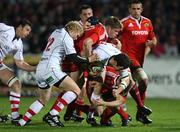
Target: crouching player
column 110, row 87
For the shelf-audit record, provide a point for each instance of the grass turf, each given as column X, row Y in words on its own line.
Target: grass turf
column 165, row 116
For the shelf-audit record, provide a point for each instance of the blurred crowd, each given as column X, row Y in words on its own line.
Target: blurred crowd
column 49, row 14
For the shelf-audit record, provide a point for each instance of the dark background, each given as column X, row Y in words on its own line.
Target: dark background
column 49, row 14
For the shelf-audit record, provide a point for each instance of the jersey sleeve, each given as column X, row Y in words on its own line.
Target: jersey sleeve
column 95, row 37
column 151, row 31
column 69, row 45
column 19, row 53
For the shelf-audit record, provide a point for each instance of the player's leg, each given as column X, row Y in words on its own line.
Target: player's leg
column 140, row 76
column 72, row 92
column 36, row 106
column 8, row 77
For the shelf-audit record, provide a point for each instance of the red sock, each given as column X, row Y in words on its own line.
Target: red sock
column 143, row 96
column 79, row 102
column 122, row 113
column 136, row 95
column 107, row 114
column 142, row 89
column 83, row 108
column 70, row 109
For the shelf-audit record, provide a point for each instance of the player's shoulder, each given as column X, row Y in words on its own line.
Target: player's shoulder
column 146, row 19
column 5, row 27
column 125, row 19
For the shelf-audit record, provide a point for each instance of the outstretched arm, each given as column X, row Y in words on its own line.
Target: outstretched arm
column 24, row 65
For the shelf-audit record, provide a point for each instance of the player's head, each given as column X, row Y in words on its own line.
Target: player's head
column 85, row 11
column 135, row 8
column 23, row 28
column 119, row 62
column 93, row 20
column 95, row 70
column 74, row 29
column 113, row 26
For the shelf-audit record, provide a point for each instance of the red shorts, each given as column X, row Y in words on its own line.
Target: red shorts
column 69, row 66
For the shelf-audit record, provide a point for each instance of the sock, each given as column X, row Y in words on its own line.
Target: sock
column 83, row 108
column 107, row 114
column 143, row 96
column 79, row 101
column 91, row 112
column 142, row 89
column 14, row 101
column 136, row 95
column 122, row 113
column 63, row 101
column 33, row 110
column 70, row 109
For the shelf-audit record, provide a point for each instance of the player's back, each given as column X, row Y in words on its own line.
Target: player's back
column 56, row 47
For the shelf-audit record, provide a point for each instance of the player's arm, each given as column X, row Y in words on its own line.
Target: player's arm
column 80, row 60
column 24, row 65
column 88, row 46
column 89, row 42
column 117, row 43
column 150, row 44
column 119, row 100
column 123, row 84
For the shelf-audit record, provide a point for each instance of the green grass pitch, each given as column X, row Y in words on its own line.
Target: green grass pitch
column 165, row 116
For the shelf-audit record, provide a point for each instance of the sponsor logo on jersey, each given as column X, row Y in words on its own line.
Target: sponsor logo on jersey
column 49, row 79
column 139, row 32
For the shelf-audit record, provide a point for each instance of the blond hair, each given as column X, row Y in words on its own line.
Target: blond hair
column 74, row 26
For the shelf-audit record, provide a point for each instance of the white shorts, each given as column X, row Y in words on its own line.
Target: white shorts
column 47, row 78
column 106, row 50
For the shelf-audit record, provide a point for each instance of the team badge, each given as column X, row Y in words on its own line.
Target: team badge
column 146, row 25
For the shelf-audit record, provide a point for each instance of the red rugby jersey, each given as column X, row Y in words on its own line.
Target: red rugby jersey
column 134, row 36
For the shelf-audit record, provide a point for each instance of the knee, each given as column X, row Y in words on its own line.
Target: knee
column 44, row 99
column 15, row 84
column 77, row 91
column 143, row 84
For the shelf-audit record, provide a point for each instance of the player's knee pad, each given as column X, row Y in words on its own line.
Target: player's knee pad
column 11, row 81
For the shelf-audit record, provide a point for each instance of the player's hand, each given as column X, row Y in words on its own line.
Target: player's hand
column 93, row 57
column 117, row 42
column 95, row 84
column 98, row 102
column 149, row 43
column 115, row 92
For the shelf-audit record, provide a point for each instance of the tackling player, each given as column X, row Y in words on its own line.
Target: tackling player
column 49, row 73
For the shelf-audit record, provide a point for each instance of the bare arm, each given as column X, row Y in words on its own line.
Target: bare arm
column 88, row 46
column 24, row 65
column 119, row 100
column 149, row 45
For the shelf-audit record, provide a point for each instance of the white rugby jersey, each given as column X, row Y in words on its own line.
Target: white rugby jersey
column 9, row 44
column 60, row 43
